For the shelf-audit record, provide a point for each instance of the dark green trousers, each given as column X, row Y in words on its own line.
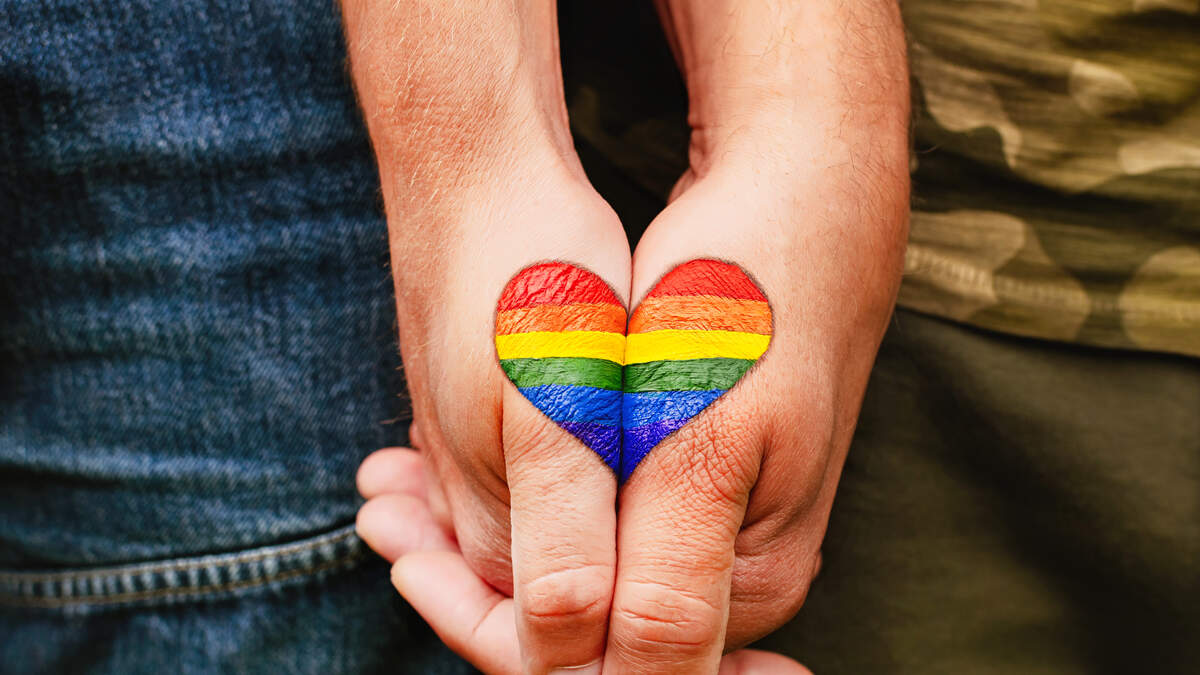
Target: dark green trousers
column 1012, row 506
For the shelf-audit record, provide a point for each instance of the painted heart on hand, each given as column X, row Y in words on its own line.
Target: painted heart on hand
column 561, row 338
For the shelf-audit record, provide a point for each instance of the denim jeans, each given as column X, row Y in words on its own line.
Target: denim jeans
column 196, row 345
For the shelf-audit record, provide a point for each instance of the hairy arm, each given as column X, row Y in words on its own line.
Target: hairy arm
column 463, row 101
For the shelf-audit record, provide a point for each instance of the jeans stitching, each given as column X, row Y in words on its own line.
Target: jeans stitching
column 119, row 584
column 159, row 593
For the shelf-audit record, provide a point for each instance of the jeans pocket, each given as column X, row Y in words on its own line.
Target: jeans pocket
column 185, row 579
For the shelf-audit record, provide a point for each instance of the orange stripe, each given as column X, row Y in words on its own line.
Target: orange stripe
column 701, row 312
column 597, row 316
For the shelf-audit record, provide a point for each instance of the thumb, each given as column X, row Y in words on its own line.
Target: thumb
column 560, row 337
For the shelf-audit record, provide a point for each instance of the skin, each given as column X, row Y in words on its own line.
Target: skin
column 463, row 102
column 798, row 174
column 469, row 615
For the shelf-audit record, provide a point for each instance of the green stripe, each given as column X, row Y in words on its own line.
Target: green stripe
column 600, row 373
column 689, row 375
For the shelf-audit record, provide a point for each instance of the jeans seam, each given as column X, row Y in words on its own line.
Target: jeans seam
column 135, row 596
column 208, row 575
column 176, row 566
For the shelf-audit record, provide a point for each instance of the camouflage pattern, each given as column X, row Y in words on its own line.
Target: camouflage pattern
column 1056, row 165
column 1057, row 168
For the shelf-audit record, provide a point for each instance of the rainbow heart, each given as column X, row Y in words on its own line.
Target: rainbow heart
column 561, row 338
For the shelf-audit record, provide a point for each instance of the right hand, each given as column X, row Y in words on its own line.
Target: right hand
column 465, row 109
column 503, row 476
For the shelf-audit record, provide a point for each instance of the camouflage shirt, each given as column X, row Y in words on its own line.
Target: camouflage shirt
column 1057, row 168
column 1056, row 171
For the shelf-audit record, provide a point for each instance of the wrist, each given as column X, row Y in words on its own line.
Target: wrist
column 787, row 84
column 458, row 94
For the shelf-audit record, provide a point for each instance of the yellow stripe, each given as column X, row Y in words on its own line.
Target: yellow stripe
column 677, row 345
column 588, row 344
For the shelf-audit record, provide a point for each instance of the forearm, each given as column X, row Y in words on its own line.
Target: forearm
column 827, row 78
column 455, row 92
column 463, row 102
column 806, row 104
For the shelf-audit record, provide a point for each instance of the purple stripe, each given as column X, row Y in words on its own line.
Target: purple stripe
column 638, row 441
column 604, row 439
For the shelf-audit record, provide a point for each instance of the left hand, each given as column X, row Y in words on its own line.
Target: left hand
column 799, row 174
column 719, row 528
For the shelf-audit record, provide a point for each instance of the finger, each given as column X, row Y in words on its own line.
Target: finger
column 770, row 583
column 402, row 471
column 391, row 471
column 467, row 614
column 476, row 621
column 393, row 525
column 755, row 662
column 560, row 338
column 464, row 499
column 778, row 548
column 563, row 542
column 679, row 517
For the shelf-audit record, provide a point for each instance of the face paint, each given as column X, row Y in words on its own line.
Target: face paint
column 691, row 339
column 560, row 338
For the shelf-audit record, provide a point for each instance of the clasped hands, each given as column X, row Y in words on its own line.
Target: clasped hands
column 510, row 533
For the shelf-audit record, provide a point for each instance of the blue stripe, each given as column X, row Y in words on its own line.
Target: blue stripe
column 641, row 409
column 574, row 403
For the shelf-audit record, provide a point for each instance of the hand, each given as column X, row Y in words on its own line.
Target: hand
column 468, row 614
column 723, row 520
column 800, row 175
column 464, row 105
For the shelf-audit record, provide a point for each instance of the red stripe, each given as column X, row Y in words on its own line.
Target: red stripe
column 555, row 284
column 708, row 277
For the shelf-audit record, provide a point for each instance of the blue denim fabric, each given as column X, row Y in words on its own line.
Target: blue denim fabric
column 322, row 605
column 196, row 343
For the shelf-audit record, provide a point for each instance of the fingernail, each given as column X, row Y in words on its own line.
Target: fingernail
column 592, row 668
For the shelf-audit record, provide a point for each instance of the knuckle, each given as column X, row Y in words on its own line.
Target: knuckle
column 771, row 587
column 781, row 598
column 525, row 434
column 537, row 448
column 567, row 599
column 656, row 620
